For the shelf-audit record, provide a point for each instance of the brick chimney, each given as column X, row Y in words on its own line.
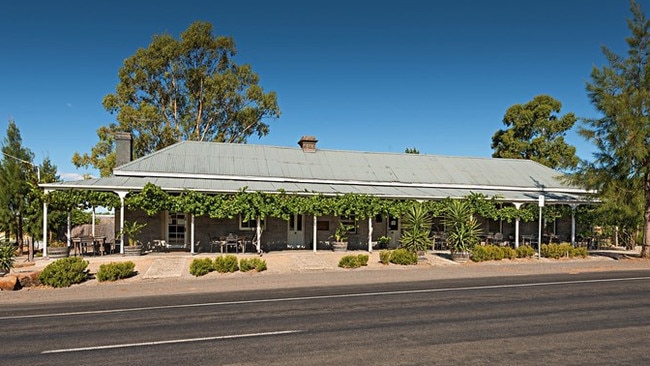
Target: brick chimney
column 123, row 149
column 308, row 143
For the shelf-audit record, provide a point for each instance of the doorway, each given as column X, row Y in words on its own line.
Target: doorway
column 295, row 234
column 176, row 229
column 393, row 231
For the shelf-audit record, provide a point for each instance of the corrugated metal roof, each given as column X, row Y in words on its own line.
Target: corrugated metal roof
column 219, row 167
column 191, row 158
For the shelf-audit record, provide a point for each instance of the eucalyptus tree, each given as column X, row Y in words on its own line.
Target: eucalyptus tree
column 535, row 131
column 620, row 92
column 187, row 89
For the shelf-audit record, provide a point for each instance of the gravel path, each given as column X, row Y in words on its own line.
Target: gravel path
column 168, row 273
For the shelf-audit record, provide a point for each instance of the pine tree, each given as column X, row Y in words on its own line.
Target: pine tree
column 17, row 178
column 620, row 91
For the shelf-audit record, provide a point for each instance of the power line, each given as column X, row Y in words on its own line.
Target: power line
column 38, row 169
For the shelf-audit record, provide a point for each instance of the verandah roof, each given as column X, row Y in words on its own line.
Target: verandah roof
column 393, row 192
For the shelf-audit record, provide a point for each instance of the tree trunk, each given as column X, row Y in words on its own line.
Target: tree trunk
column 645, row 248
column 19, row 234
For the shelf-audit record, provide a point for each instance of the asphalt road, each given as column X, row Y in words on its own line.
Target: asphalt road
column 585, row 319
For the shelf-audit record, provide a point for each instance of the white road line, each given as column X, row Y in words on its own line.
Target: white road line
column 318, row 297
column 172, row 341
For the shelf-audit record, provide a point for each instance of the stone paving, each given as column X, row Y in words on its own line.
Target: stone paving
column 165, row 268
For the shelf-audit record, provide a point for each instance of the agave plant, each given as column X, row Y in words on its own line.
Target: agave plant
column 416, row 234
column 463, row 230
column 7, row 257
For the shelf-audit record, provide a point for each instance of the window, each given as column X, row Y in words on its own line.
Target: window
column 176, row 228
column 250, row 224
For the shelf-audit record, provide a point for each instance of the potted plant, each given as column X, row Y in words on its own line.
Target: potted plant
column 383, row 242
column 132, row 230
column 340, row 243
column 463, row 229
column 416, row 233
column 58, row 249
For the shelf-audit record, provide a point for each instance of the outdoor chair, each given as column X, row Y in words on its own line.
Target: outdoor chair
column 232, row 241
column 498, row 240
column 101, row 245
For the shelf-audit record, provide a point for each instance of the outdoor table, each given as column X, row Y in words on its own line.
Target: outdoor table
column 231, row 241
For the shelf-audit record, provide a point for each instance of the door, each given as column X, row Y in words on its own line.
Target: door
column 393, row 231
column 295, row 235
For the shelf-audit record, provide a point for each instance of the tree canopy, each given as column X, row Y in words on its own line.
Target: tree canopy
column 620, row 91
column 187, row 89
column 20, row 198
column 535, row 131
column 16, row 174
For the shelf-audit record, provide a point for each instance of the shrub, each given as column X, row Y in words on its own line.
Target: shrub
column 479, row 253
column 384, row 256
column 579, row 252
column 555, row 251
column 226, row 264
column 490, row 252
column 525, row 251
column 495, row 252
column 403, row 256
column 563, row 250
column 257, row 264
column 363, row 259
column 64, row 272
column 349, row 261
column 201, row 267
column 115, row 271
column 7, row 257
column 508, row 252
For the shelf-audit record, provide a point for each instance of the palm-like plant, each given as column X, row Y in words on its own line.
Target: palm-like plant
column 131, row 230
column 341, row 232
column 416, row 234
column 7, row 257
column 463, row 229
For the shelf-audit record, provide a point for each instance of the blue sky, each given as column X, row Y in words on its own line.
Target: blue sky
column 359, row 75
